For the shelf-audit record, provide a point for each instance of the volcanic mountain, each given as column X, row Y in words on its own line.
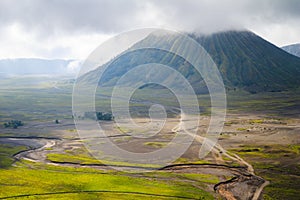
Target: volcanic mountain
column 245, row 61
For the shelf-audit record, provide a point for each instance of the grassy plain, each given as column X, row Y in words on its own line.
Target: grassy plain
column 40, row 103
column 42, row 182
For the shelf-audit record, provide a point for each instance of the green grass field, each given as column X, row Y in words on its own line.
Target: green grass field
column 6, row 153
column 29, row 180
column 38, row 182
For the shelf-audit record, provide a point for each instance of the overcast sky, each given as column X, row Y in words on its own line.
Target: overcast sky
column 73, row 28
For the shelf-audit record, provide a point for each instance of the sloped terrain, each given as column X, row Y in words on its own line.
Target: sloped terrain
column 244, row 59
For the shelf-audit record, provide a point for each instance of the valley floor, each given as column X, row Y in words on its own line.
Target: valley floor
column 59, row 165
column 46, row 160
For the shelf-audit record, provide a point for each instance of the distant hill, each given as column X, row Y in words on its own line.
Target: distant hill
column 34, row 66
column 293, row 49
column 244, row 59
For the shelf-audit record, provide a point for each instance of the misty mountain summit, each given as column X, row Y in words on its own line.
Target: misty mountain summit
column 245, row 61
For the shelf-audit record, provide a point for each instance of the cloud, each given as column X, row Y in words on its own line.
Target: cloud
column 56, row 16
column 74, row 66
column 111, row 16
column 211, row 16
column 63, row 28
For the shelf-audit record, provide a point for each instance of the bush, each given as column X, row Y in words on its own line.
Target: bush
column 13, row 124
column 104, row 116
column 99, row 116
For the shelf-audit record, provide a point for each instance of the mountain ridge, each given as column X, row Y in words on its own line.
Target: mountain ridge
column 35, row 66
column 293, row 49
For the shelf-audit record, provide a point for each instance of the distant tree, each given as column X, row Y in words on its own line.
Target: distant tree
column 19, row 123
column 107, row 117
column 13, row 124
column 104, row 116
column 99, row 116
column 6, row 125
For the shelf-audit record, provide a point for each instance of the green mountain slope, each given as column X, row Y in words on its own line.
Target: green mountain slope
column 244, row 59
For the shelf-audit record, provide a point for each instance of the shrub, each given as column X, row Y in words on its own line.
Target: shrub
column 13, row 124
